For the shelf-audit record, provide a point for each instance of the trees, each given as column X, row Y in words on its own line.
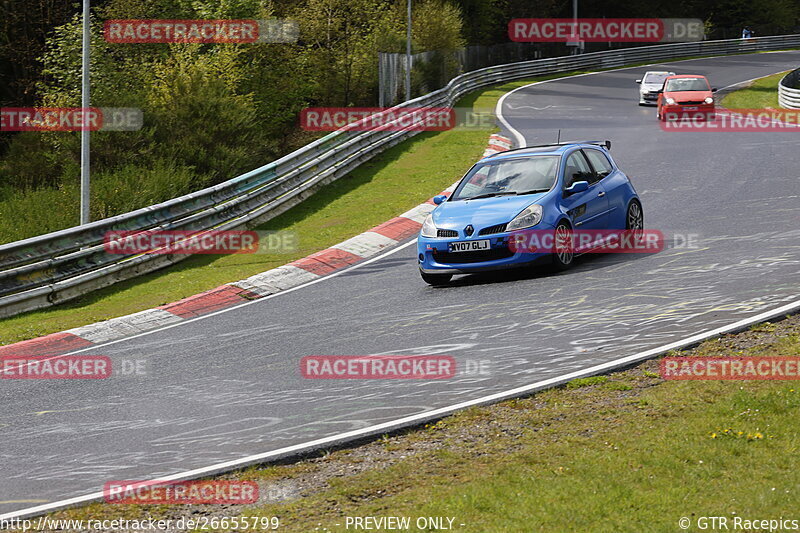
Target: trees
column 213, row 111
column 339, row 40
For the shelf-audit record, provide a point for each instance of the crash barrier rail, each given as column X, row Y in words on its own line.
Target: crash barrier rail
column 52, row 268
column 789, row 90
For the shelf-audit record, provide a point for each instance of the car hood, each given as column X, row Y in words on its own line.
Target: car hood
column 482, row 212
column 682, row 96
column 652, row 87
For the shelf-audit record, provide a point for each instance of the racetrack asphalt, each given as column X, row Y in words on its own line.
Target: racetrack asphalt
column 228, row 385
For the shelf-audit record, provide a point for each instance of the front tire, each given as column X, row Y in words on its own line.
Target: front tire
column 437, row 280
column 563, row 253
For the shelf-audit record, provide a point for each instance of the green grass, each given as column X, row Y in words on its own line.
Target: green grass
column 586, row 382
column 386, row 186
column 761, row 94
column 594, row 459
column 766, row 327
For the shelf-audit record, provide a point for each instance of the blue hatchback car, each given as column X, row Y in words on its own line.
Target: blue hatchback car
column 558, row 188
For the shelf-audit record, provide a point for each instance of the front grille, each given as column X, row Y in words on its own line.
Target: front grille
column 692, row 102
column 477, row 256
column 491, row 230
column 446, row 233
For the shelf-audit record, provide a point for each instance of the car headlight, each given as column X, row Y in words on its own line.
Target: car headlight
column 670, row 101
column 709, row 100
column 530, row 216
column 428, row 227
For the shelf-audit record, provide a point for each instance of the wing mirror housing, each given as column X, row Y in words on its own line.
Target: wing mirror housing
column 578, row 186
column 714, row 89
column 638, row 81
column 439, row 199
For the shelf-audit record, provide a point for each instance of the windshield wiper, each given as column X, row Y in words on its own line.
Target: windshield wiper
column 533, row 191
column 489, row 195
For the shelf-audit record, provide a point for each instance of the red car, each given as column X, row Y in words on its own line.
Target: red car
column 686, row 96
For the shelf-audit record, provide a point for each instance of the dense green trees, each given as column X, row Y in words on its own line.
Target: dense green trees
column 213, row 111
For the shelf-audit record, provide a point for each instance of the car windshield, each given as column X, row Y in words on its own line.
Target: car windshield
column 656, row 78
column 507, row 177
column 687, row 84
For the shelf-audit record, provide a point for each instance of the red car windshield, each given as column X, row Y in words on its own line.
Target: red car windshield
column 686, row 84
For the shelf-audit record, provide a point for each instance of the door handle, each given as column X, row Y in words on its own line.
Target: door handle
column 601, row 193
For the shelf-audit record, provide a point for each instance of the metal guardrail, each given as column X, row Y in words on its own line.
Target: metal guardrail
column 52, row 268
column 789, row 90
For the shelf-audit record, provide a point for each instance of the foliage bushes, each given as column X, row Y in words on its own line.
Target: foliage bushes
column 211, row 112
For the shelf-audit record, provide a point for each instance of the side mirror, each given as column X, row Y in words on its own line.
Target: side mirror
column 638, row 81
column 578, row 186
column 439, row 199
column 713, row 89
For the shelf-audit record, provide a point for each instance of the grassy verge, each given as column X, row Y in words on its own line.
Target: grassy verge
column 378, row 190
column 761, row 94
column 623, row 452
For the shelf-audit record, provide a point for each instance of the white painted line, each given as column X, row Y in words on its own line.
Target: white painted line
column 245, row 303
column 274, row 282
column 520, row 139
column 498, row 111
column 434, row 413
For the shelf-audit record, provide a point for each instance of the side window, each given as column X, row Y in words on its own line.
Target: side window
column 600, row 163
column 576, row 169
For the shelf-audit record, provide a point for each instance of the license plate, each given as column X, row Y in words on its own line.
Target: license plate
column 468, row 246
column 690, row 108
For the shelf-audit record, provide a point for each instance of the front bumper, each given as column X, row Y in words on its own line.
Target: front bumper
column 688, row 111
column 434, row 257
column 648, row 98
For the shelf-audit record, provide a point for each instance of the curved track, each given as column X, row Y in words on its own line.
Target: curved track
column 226, row 386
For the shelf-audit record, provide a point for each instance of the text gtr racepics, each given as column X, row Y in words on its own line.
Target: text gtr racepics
column 555, row 190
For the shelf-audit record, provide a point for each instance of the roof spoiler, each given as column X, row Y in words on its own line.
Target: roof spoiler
column 605, row 143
